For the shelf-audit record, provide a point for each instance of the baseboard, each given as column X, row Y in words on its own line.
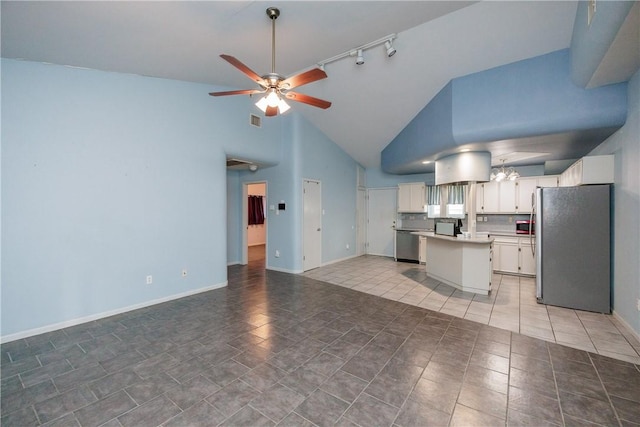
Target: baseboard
column 339, row 260
column 283, row 270
column 91, row 318
column 626, row 325
column 230, row 263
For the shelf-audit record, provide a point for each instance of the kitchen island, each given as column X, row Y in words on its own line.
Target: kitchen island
column 464, row 263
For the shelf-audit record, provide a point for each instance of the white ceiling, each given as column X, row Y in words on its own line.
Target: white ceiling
column 372, row 103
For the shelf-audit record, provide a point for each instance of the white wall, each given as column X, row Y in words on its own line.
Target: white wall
column 625, row 145
column 257, row 234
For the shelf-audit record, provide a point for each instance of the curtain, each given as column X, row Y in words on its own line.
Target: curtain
column 256, row 210
column 456, row 194
column 433, row 195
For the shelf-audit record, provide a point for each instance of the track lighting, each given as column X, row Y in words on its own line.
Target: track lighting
column 387, row 41
column 388, row 45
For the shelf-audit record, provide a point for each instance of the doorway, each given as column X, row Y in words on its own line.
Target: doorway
column 381, row 221
column 311, row 225
column 255, row 224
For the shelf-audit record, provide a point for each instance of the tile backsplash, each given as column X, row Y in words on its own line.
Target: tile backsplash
column 505, row 223
column 417, row 221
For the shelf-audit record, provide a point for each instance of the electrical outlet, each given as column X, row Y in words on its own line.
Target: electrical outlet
column 347, row 246
column 277, row 253
column 149, row 280
column 638, row 304
column 184, row 272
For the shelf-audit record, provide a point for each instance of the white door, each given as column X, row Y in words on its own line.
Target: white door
column 312, row 225
column 361, row 222
column 381, row 220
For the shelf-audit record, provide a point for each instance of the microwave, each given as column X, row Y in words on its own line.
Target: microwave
column 525, row 227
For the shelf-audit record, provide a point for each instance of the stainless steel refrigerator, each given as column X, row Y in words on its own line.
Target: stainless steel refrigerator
column 573, row 247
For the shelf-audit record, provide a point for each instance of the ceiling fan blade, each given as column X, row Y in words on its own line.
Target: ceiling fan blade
column 306, row 99
column 271, row 111
column 246, row 70
column 237, row 92
column 303, row 78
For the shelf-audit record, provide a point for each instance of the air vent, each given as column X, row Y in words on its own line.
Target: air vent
column 255, row 120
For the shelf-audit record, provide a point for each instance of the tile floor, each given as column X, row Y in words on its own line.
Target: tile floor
column 280, row 349
column 511, row 304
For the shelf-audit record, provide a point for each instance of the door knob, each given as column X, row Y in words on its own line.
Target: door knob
column 318, row 229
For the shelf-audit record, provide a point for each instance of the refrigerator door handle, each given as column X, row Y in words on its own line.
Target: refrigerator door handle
column 531, row 224
column 538, row 237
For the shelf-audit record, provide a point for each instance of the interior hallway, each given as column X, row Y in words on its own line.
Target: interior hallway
column 511, row 305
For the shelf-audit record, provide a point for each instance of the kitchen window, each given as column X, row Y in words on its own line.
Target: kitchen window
column 455, row 200
column 433, row 201
column 449, row 199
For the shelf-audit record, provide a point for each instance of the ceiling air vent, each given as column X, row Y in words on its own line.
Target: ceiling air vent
column 255, row 120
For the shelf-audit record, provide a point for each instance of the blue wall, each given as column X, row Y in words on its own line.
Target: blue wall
column 590, row 43
column 108, row 178
column 306, row 153
column 324, row 161
column 625, row 145
column 528, row 98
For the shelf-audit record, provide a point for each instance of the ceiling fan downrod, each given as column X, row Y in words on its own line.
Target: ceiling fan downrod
column 273, row 13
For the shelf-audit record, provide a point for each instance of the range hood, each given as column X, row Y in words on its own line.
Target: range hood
column 461, row 168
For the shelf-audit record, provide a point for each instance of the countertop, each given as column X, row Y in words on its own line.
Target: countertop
column 477, row 240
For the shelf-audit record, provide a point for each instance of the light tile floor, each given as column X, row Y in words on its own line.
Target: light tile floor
column 511, row 305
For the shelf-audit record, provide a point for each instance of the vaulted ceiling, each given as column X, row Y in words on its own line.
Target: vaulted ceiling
column 436, row 41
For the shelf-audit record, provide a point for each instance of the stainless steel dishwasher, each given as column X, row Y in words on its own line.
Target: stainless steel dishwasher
column 407, row 246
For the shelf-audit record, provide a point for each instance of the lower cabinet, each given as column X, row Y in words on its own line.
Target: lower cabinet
column 422, row 254
column 512, row 255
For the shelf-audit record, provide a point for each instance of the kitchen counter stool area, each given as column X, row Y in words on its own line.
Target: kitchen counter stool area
column 511, row 305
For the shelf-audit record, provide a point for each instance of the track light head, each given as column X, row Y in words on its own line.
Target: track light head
column 360, row 58
column 388, row 45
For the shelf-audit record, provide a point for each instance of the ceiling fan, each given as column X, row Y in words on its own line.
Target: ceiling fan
column 273, row 85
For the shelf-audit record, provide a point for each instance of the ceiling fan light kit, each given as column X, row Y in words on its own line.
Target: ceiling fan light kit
column 273, row 86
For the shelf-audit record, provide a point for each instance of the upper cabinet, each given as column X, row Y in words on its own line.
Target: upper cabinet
column 589, row 170
column 412, row 197
column 510, row 196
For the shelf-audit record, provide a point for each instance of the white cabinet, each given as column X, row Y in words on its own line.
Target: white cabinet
column 510, row 197
column 422, row 253
column 506, row 255
column 526, row 189
column 548, row 181
column 589, row 170
column 507, row 201
column 412, row 197
column 487, row 197
column 527, row 259
column 512, row 255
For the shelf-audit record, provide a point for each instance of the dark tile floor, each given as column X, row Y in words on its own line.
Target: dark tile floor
column 281, row 349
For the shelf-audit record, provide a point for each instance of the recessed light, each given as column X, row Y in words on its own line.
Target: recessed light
column 464, row 150
column 426, row 162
